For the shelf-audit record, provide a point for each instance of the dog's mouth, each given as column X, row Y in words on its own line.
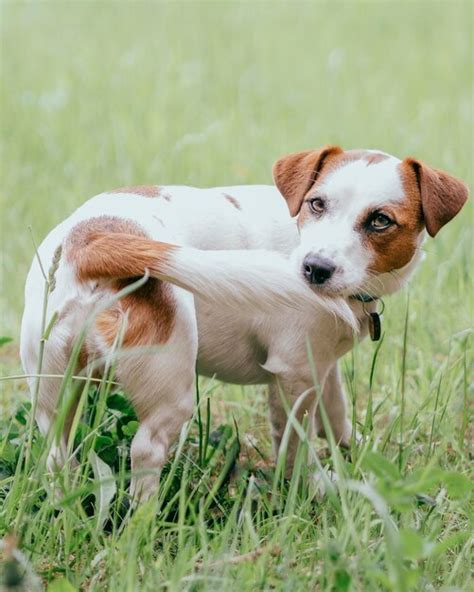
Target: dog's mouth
column 337, row 289
column 332, row 289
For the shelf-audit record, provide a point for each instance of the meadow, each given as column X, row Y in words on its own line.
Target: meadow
column 97, row 95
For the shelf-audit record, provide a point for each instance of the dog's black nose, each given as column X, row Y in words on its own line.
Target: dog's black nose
column 317, row 270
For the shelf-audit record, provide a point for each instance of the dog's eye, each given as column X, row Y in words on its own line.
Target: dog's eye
column 379, row 222
column 317, row 205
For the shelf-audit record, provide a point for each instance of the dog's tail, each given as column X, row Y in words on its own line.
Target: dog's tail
column 251, row 279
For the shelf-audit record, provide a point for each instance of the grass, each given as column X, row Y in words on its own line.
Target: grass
column 98, row 95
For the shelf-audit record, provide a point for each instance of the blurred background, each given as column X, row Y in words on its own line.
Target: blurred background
column 97, row 95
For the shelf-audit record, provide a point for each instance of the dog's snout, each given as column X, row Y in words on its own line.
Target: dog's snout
column 317, row 269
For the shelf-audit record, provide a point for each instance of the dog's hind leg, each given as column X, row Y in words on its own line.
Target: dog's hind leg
column 156, row 366
column 46, row 379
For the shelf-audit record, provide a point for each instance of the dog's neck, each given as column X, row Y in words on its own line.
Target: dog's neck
column 364, row 297
column 364, row 303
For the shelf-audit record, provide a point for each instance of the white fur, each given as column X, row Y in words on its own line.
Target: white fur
column 251, row 316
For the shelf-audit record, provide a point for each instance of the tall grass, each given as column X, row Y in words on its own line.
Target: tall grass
column 97, row 95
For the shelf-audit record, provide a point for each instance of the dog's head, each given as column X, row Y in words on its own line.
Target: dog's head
column 362, row 215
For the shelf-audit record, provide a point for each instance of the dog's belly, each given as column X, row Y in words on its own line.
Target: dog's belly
column 229, row 348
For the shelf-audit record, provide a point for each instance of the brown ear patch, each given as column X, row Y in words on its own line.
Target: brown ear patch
column 442, row 195
column 144, row 191
column 295, row 174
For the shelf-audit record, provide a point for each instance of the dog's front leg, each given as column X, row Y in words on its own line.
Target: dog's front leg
column 334, row 402
column 299, row 400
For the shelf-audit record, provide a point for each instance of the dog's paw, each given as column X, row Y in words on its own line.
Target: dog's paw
column 323, row 482
column 348, row 439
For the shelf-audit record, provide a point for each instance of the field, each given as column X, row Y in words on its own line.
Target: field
column 101, row 95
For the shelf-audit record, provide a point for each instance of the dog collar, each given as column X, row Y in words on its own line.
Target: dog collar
column 364, row 297
column 375, row 321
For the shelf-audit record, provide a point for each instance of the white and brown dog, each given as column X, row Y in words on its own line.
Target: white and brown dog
column 244, row 282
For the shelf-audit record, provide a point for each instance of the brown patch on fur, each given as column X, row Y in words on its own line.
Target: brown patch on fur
column 82, row 233
column 144, row 191
column 83, row 357
column 121, row 256
column 234, row 201
column 113, row 248
column 442, row 195
column 146, row 316
column 296, row 174
column 118, row 251
column 369, row 157
column 395, row 247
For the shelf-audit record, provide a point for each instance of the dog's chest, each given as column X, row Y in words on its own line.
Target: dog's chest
column 229, row 346
column 245, row 348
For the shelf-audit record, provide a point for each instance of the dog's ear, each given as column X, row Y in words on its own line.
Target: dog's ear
column 442, row 196
column 295, row 174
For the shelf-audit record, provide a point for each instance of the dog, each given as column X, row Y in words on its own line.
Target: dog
column 249, row 284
